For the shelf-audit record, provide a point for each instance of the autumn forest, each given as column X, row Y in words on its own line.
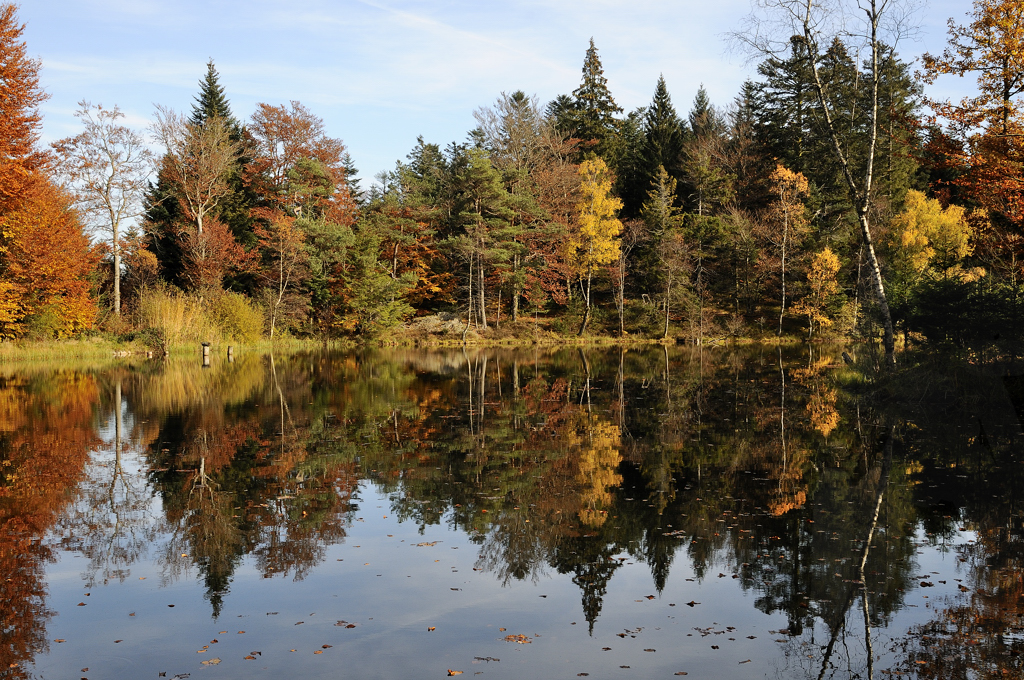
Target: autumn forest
column 831, row 197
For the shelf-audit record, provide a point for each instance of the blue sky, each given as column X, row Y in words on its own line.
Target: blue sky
column 382, row 72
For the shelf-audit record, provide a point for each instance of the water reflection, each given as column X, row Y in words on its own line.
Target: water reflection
column 755, row 466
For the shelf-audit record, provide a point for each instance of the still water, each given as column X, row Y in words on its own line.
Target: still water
column 606, row 513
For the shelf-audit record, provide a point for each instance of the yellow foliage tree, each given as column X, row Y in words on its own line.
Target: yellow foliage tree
column 822, row 280
column 928, row 240
column 786, row 217
column 598, row 472
column 594, row 242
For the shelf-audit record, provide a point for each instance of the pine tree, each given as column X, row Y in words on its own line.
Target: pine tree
column 595, row 108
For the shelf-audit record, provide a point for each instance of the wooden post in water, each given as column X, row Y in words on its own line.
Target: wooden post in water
column 206, row 355
column 231, row 354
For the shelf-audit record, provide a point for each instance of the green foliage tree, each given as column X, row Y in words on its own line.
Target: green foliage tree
column 594, row 108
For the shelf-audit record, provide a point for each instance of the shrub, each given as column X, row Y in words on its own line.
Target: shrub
column 237, row 317
column 176, row 316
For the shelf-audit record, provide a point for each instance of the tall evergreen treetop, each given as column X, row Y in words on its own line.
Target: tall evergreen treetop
column 211, row 102
column 704, row 118
column 664, row 133
column 595, row 107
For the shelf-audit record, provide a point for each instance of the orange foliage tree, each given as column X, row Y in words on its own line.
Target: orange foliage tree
column 990, row 125
column 46, row 261
column 296, row 166
column 46, row 433
column 20, row 120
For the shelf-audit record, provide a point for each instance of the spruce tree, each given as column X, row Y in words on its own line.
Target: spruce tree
column 163, row 213
column 595, row 108
column 664, row 134
column 211, row 102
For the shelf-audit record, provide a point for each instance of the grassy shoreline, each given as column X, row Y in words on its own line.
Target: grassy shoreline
column 101, row 349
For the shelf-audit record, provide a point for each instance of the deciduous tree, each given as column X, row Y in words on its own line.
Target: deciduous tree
column 47, row 259
column 107, row 166
column 821, row 277
column 815, row 26
column 594, row 242
column 20, row 120
column 197, row 161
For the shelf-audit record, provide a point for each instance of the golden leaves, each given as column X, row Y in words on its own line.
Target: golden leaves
column 594, row 241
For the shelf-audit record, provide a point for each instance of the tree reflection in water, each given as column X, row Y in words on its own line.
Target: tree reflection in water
column 758, row 465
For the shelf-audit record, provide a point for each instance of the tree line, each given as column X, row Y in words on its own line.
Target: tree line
column 831, row 196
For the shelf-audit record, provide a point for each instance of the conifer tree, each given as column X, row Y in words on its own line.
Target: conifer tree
column 595, row 109
column 211, row 102
column 163, row 214
column 664, row 133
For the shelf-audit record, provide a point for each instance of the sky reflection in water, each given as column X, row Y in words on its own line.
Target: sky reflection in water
column 400, row 514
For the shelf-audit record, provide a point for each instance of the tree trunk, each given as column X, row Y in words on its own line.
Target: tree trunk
column 668, row 297
column 586, row 312
column 785, row 236
column 515, row 289
column 117, row 276
column 483, row 304
column 859, row 195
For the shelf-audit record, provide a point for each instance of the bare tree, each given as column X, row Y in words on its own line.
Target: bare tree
column 514, row 130
column 107, row 168
column 197, row 161
column 866, row 26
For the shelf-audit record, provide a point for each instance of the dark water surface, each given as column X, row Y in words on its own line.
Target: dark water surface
column 604, row 513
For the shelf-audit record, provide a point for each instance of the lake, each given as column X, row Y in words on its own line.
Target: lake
column 644, row 513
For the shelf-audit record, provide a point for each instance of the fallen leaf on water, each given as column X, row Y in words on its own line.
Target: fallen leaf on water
column 680, row 673
column 131, row 614
column 249, row 656
column 691, row 603
column 170, row 605
column 291, row 650
column 501, row 629
column 299, row 623
column 57, row 640
column 714, row 646
column 623, row 666
column 80, row 604
column 431, row 628
column 222, row 632
column 582, row 675
column 85, row 670
column 607, row 649
column 319, row 651
column 214, row 641
column 241, row 632
column 326, row 646
column 116, row 641
column 751, row 637
column 648, row 650
column 649, row 597
column 743, row 662
column 451, row 672
column 520, row 639
column 211, row 662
